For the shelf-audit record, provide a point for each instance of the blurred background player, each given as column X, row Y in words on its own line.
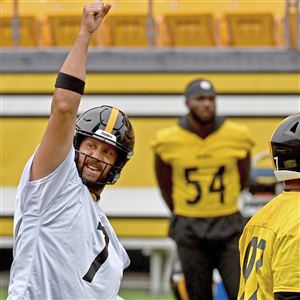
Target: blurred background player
column 65, row 247
column 270, row 243
column 202, row 164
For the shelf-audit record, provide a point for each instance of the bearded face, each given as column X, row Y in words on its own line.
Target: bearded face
column 95, row 159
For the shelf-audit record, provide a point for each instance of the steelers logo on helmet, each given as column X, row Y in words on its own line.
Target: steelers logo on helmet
column 109, row 125
column 205, row 85
column 285, row 148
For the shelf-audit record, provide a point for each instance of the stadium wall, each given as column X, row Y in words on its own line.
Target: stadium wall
column 24, row 119
column 153, row 100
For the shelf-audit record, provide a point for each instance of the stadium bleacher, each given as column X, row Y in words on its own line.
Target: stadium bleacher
column 126, row 30
column 63, row 30
column 188, row 30
column 251, row 29
column 175, row 23
column 29, row 32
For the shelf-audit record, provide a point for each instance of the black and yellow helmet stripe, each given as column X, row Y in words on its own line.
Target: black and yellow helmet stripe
column 112, row 120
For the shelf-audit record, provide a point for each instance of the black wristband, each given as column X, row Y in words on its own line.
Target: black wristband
column 69, row 82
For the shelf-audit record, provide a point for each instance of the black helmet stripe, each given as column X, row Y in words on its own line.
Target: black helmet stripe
column 112, row 120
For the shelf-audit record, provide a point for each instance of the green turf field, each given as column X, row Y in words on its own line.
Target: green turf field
column 126, row 294
column 142, row 295
column 3, row 294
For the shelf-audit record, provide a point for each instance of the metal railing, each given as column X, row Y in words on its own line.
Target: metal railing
column 292, row 5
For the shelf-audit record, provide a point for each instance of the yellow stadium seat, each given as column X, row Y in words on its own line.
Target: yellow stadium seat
column 255, row 29
column 64, row 29
column 126, row 30
column 29, row 32
column 189, row 30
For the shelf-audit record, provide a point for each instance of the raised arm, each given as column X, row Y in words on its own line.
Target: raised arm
column 58, row 137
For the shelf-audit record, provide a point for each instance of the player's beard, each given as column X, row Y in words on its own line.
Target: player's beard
column 94, row 187
column 202, row 122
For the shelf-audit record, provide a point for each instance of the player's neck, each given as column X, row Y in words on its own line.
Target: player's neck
column 201, row 129
column 292, row 185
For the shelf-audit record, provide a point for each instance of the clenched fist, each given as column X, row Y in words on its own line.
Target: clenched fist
column 93, row 15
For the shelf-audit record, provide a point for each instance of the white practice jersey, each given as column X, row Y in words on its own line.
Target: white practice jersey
column 65, row 247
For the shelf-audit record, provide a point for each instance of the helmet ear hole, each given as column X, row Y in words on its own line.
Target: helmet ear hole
column 115, row 177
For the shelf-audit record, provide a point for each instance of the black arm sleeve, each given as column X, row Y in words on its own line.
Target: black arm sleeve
column 287, row 296
column 244, row 166
column 69, row 82
column 163, row 174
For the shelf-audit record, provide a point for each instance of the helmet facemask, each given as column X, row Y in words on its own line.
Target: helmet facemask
column 286, row 161
column 97, row 185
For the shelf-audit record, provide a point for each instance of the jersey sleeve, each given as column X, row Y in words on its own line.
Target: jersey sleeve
column 37, row 196
column 164, row 144
column 286, row 264
column 125, row 258
column 248, row 141
column 240, row 138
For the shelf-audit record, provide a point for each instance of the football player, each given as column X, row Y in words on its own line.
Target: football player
column 202, row 163
column 270, row 243
column 64, row 245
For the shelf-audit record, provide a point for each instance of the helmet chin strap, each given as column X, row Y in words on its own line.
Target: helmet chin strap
column 95, row 197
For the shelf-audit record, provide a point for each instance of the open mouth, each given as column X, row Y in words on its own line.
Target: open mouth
column 92, row 173
column 94, row 166
column 93, row 169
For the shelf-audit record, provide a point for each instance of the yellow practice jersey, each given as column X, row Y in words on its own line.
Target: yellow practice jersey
column 205, row 172
column 270, row 249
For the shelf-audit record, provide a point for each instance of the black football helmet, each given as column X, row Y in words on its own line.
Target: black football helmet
column 199, row 87
column 285, row 148
column 110, row 125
